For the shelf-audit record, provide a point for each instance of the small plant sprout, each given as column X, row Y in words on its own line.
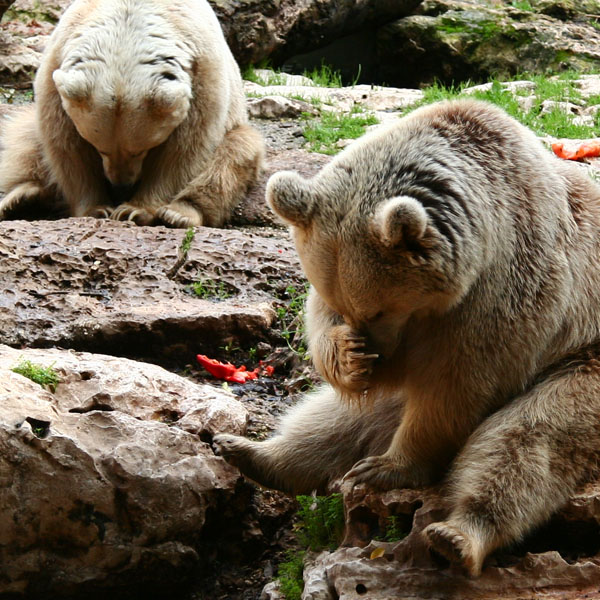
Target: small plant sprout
column 45, row 376
column 208, row 288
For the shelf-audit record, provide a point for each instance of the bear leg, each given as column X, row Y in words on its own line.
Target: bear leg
column 317, row 442
column 210, row 198
column 521, row 465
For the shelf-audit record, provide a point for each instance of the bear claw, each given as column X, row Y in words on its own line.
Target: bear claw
column 453, row 544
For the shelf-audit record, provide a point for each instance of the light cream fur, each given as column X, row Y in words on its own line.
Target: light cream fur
column 455, row 314
column 140, row 115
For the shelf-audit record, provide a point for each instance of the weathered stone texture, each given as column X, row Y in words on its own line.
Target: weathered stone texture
column 107, row 481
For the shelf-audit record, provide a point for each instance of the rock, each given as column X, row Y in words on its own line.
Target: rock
column 279, row 107
column 457, row 40
column 107, row 482
column 4, row 4
column 557, row 560
column 103, row 286
column 367, row 96
column 259, row 29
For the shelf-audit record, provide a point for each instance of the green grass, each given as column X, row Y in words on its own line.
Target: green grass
column 289, row 574
column 321, row 521
column 323, row 133
column 394, row 531
column 557, row 122
column 320, row 525
column 208, row 288
column 325, row 76
column 44, row 376
column 186, row 243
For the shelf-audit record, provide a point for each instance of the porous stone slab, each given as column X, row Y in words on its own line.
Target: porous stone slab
column 109, row 287
column 108, row 481
column 560, row 560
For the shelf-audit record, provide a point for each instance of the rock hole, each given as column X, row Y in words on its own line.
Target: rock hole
column 99, row 401
column 87, row 375
column 206, row 437
column 166, row 416
column 573, row 540
column 361, row 589
column 40, row 428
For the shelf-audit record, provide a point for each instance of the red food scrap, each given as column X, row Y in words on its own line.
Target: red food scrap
column 589, row 149
column 226, row 371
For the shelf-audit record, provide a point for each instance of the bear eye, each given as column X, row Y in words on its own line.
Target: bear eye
column 168, row 76
column 376, row 317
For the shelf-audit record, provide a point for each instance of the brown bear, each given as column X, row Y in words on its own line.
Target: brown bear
column 455, row 314
column 140, row 115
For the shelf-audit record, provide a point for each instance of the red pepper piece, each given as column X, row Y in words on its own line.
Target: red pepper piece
column 589, row 149
column 226, row 371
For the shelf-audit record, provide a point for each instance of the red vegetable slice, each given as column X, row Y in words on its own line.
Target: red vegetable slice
column 226, row 371
column 589, row 149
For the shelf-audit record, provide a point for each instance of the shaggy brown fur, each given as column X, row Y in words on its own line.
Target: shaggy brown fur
column 455, row 269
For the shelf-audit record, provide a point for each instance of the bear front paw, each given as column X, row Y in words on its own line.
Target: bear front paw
column 352, row 365
column 99, row 212
column 128, row 212
column 181, row 215
column 383, row 473
column 232, row 448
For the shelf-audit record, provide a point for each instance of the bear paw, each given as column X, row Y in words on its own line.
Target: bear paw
column 179, row 215
column 22, row 195
column 453, row 544
column 383, row 473
column 232, row 448
column 99, row 212
column 352, row 365
column 128, row 212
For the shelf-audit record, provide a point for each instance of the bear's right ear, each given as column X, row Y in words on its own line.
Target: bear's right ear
column 291, row 197
column 401, row 220
column 72, row 85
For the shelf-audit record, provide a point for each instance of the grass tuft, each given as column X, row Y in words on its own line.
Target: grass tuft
column 44, row 376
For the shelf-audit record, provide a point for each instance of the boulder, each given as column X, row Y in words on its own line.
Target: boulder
column 107, row 481
column 562, row 559
column 110, row 287
column 260, row 29
column 456, row 40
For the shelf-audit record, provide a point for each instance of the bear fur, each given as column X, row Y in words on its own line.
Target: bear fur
column 455, row 313
column 140, row 115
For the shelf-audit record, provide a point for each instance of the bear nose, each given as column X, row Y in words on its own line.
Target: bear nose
column 121, row 193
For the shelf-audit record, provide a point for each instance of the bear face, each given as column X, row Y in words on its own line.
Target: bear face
column 147, row 95
column 127, row 108
column 373, row 263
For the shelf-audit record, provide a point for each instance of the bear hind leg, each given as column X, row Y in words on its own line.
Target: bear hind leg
column 520, row 466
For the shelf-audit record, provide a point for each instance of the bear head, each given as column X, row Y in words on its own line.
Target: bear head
column 124, row 116
column 368, row 242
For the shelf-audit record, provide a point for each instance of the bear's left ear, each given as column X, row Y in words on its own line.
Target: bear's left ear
column 171, row 97
column 72, row 85
column 291, row 197
column 400, row 220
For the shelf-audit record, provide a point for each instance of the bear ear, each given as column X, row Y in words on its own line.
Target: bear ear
column 401, row 220
column 291, row 197
column 72, row 85
column 171, row 97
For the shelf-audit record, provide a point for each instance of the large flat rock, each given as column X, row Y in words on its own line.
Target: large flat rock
column 108, row 287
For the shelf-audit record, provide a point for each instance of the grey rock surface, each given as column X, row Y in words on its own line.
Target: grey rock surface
column 106, row 481
column 105, row 286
